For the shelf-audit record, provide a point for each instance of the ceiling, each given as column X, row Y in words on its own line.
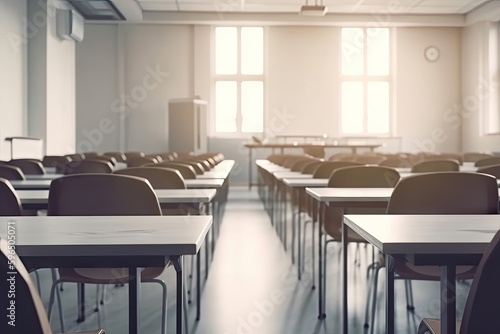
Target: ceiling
column 334, row 6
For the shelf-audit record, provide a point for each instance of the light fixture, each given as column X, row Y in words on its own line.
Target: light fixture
column 318, row 9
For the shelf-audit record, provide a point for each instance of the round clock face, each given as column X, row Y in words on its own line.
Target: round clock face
column 431, row 53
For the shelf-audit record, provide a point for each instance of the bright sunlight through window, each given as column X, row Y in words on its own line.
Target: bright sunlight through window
column 365, row 88
column 239, row 79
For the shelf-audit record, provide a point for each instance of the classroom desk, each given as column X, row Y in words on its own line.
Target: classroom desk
column 110, row 241
column 45, row 184
column 345, row 198
column 38, row 200
column 282, row 146
column 298, row 184
column 441, row 240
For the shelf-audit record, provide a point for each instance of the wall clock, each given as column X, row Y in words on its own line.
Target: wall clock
column 431, row 53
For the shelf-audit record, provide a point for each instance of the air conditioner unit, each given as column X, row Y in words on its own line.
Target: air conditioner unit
column 70, row 24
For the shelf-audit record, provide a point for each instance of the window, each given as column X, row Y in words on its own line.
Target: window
column 239, row 80
column 489, row 91
column 365, row 81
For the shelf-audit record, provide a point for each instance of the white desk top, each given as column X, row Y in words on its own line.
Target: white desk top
column 45, row 184
column 352, row 194
column 31, row 184
column 213, row 174
column 305, row 182
column 43, row 176
column 426, row 234
column 40, row 197
column 225, row 165
column 39, row 236
column 291, row 175
column 204, row 183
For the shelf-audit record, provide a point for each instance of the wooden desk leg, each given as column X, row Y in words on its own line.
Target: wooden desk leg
column 176, row 261
column 345, row 322
column 134, row 296
column 389, row 305
column 448, row 298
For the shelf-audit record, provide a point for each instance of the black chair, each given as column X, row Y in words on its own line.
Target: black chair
column 30, row 312
column 481, row 310
column 440, row 193
column 104, row 195
column 28, row 166
column 11, row 172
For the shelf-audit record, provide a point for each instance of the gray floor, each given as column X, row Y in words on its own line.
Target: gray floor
column 252, row 287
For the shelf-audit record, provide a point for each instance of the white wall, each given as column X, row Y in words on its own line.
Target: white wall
column 302, row 86
column 51, row 78
column 303, row 72
column 475, row 90
column 427, row 91
column 158, row 67
column 98, row 125
column 13, row 69
column 60, row 137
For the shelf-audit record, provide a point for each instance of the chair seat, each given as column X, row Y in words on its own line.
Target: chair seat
column 406, row 270
column 432, row 326
column 106, row 275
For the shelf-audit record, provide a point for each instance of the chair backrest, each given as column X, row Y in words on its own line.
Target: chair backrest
column 76, row 156
column 102, row 195
column 369, row 159
column 87, row 166
column 28, row 166
column 57, row 161
column 119, row 156
column 445, row 193
column 279, row 159
column 310, row 167
column 315, row 151
column 363, row 177
column 481, row 313
column 441, row 165
column 10, row 205
column 160, row 178
column 487, row 162
column 325, row 170
column 454, row 156
column 491, row 170
column 105, row 158
column 187, row 171
column 30, row 316
column 198, row 168
column 396, row 163
column 11, row 172
column 133, row 154
column 299, row 165
column 87, row 155
column 475, row 156
column 140, row 161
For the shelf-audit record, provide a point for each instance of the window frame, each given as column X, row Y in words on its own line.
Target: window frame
column 365, row 79
column 239, row 78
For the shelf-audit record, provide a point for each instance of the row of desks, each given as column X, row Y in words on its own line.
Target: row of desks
column 123, row 241
column 449, row 242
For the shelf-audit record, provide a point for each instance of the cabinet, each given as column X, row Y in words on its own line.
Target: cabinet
column 187, row 125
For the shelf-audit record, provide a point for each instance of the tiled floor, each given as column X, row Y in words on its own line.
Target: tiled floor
column 252, row 287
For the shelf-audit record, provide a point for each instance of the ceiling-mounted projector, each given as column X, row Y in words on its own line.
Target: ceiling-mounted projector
column 313, row 10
